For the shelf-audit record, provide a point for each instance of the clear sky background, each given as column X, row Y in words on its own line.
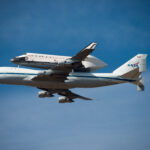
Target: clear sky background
column 118, row 117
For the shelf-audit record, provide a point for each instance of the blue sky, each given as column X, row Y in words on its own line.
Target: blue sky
column 118, row 118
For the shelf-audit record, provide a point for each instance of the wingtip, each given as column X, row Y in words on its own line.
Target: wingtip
column 91, row 46
column 86, row 98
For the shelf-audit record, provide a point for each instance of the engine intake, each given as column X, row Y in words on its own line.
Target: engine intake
column 43, row 94
column 64, row 99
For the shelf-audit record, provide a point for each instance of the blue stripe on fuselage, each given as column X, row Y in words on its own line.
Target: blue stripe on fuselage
column 80, row 76
column 111, row 78
column 19, row 73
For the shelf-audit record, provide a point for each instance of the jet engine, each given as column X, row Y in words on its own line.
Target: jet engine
column 65, row 99
column 43, row 94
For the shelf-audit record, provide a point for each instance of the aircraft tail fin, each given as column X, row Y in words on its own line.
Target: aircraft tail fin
column 132, row 69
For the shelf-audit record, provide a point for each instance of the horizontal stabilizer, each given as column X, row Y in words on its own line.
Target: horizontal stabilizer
column 140, row 85
column 132, row 74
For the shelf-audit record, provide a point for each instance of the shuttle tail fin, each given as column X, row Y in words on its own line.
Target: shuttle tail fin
column 132, row 69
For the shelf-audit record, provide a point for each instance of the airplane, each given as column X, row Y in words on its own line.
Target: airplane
column 60, row 79
column 44, row 61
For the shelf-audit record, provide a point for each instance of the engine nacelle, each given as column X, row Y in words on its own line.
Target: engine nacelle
column 64, row 99
column 43, row 94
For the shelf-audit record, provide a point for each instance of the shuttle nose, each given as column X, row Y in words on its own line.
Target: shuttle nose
column 17, row 59
column 14, row 60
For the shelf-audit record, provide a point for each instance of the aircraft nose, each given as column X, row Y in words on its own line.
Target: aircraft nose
column 18, row 59
column 14, row 60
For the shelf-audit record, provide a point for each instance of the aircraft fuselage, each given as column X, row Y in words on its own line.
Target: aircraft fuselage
column 20, row 76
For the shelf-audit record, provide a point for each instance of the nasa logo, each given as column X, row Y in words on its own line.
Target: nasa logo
column 134, row 65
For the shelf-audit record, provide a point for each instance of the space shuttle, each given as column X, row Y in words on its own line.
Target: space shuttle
column 45, row 61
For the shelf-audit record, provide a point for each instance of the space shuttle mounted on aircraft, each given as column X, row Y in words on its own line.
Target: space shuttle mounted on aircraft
column 70, row 72
column 43, row 61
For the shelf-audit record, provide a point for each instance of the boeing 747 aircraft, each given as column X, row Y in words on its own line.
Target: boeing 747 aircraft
column 60, row 78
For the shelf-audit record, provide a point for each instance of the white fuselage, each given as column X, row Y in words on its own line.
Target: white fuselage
column 21, row 76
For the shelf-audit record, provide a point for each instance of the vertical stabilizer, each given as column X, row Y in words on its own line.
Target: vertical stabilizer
column 132, row 68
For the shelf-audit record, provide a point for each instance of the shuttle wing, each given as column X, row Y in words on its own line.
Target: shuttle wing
column 62, row 70
column 84, row 52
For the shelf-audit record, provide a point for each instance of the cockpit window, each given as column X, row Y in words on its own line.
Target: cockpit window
column 21, row 56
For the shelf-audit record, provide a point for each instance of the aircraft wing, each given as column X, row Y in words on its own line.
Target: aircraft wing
column 68, row 95
column 84, row 52
column 52, row 75
column 71, row 95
